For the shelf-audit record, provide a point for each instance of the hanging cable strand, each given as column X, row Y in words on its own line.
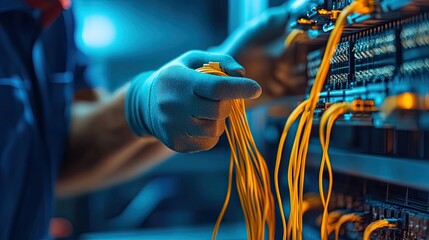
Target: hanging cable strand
column 298, row 155
column 291, row 119
column 252, row 177
column 326, row 123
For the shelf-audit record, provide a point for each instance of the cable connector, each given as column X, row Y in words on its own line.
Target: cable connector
column 213, row 65
column 307, row 23
column 394, row 222
column 332, row 15
column 359, row 105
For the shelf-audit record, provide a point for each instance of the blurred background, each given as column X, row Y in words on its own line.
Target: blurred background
column 181, row 198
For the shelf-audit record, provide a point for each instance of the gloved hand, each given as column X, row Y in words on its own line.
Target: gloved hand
column 261, row 30
column 183, row 108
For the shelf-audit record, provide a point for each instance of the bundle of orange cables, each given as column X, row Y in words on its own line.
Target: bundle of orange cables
column 251, row 172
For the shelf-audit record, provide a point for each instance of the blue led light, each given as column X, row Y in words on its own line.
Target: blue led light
column 297, row 4
column 98, row 31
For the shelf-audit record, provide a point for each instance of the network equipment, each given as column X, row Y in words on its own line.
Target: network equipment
column 379, row 155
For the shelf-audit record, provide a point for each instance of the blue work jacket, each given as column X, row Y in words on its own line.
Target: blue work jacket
column 40, row 68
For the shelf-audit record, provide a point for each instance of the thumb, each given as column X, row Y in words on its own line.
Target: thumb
column 225, row 87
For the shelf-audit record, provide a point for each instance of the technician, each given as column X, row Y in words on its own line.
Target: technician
column 53, row 143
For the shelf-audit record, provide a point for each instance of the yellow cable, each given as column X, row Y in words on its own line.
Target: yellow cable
column 297, row 162
column 333, row 218
column 351, row 217
column 293, row 36
column 291, row 119
column 328, row 118
column 226, row 202
column 251, row 172
column 376, row 225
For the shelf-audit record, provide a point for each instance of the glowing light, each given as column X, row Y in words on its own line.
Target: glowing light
column 408, row 101
column 297, row 4
column 98, row 31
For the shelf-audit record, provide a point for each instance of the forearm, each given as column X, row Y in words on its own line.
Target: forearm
column 102, row 146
